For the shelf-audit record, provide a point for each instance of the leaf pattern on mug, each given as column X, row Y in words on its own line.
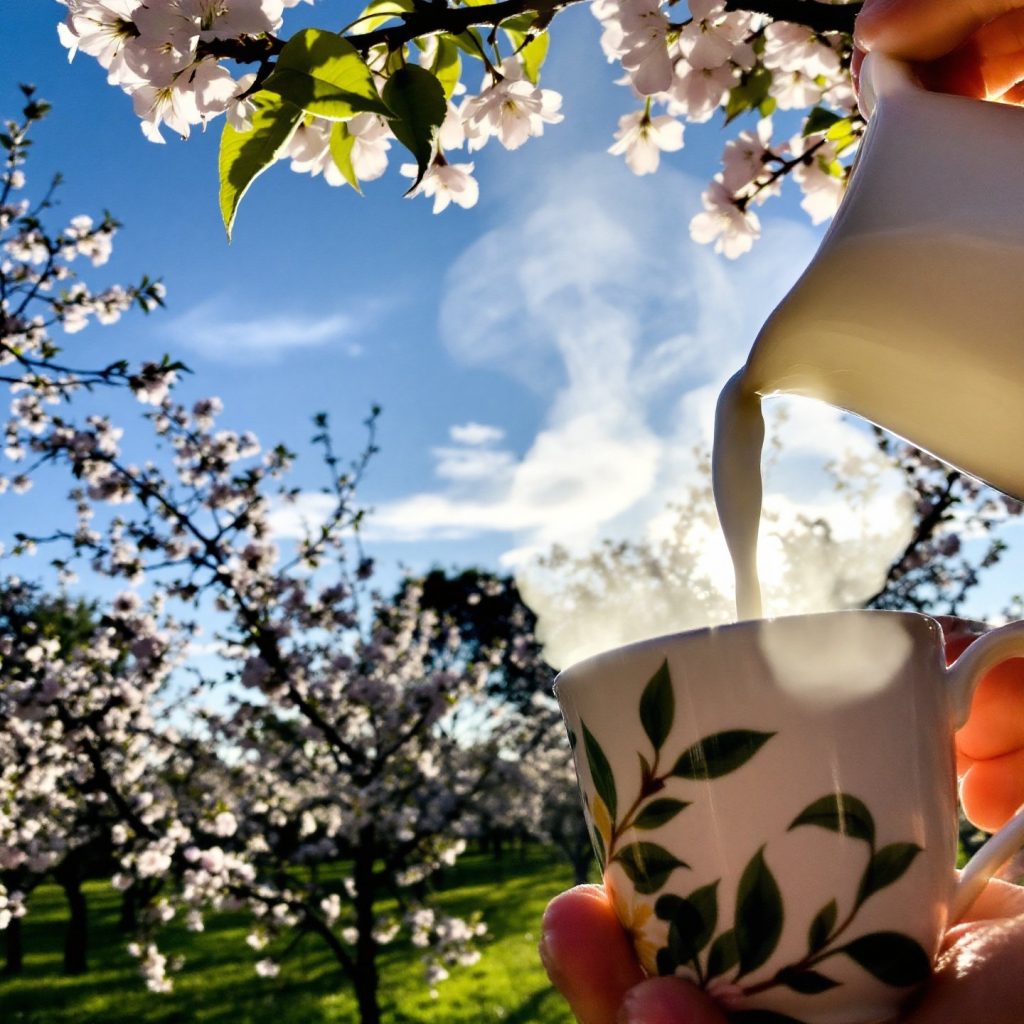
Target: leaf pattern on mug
column 891, row 957
column 691, row 924
column 822, row 926
column 658, row 707
column 759, row 915
column 839, row 812
column 659, row 812
column 732, row 956
column 648, row 865
column 720, row 754
column 600, row 771
column 886, row 866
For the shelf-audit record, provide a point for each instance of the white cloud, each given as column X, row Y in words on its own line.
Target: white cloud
column 472, row 463
column 596, row 299
column 476, row 433
column 292, row 520
column 215, row 330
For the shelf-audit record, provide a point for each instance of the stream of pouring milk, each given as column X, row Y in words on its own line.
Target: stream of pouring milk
column 894, row 353
column 736, row 479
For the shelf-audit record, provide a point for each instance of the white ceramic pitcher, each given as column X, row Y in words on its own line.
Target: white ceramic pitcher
column 911, row 313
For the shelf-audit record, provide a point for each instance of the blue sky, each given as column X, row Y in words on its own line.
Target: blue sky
column 546, row 361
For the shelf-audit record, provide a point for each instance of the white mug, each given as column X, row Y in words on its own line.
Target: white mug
column 774, row 807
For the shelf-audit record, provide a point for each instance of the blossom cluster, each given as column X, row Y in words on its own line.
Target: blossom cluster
column 341, row 732
column 343, row 736
column 165, row 54
column 181, row 61
column 155, row 52
column 730, row 61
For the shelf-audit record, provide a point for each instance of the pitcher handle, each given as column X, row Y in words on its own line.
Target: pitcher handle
column 964, row 674
column 883, row 76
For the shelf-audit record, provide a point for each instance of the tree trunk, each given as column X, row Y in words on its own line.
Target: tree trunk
column 581, row 867
column 76, row 937
column 129, row 919
column 366, row 977
column 14, row 952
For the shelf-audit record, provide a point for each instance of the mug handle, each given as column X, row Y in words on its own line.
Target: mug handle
column 964, row 674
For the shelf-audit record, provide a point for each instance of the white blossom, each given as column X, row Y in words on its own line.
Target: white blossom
column 513, row 109
column 642, row 139
column 731, row 229
column 447, row 183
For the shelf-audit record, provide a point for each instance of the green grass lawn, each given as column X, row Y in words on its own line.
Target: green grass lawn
column 218, row 984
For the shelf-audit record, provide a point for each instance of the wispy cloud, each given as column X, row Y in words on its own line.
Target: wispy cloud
column 597, row 300
column 217, row 331
column 296, row 518
column 476, row 433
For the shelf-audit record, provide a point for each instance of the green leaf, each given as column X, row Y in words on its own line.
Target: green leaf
column 665, row 963
column 342, row 142
column 600, row 772
column 807, row 982
column 598, row 847
column 470, row 42
column 447, row 65
column 819, row 120
column 658, row 812
column 892, row 958
column 244, row 156
column 532, row 53
column 324, row 75
column 840, row 130
column 377, row 12
column 839, row 812
column 723, row 955
column 759, row 914
column 749, row 94
column 886, row 866
column 658, row 706
column 720, row 754
column 691, row 921
column 648, row 865
column 417, row 100
column 821, row 927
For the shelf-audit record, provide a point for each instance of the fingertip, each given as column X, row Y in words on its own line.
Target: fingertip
column 993, row 790
column 669, row 1001
column 866, row 27
column 587, row 954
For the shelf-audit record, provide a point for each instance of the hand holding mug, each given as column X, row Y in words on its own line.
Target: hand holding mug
column 773, row 804
column 590, row 962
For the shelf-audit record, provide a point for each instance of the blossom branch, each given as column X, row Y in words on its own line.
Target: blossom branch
column 820, row 17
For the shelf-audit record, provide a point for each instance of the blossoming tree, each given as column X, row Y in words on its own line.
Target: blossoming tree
column 336, row 726
column 438, row 79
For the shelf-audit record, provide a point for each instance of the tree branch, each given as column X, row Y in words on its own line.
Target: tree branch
column 430, row 20
column 822, row 17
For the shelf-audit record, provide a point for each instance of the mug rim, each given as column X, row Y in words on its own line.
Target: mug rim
column 932, row 623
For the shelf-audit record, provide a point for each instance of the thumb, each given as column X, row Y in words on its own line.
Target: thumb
column 668, row 1001
column 923, row 30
